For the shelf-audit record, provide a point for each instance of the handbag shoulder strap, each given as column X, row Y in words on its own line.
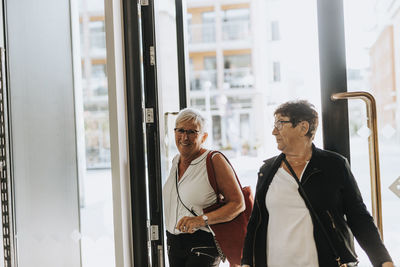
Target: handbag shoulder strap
column 312, row 211
column 211, row 171
column 179, row 197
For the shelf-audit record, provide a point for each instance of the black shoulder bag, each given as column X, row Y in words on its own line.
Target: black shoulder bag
column 316, row 217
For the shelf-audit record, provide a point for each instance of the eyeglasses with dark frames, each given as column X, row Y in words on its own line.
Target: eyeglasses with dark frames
column 279, row 124
column 189, row 132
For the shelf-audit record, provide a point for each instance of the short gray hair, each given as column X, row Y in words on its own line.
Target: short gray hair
column 298, row 111
column 191, row 114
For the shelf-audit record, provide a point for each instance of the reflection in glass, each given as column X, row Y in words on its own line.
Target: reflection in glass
column 250, row 78
column 203, row 73
column 372, row 66
column 97, row 232
column 244, row 58
column 237, row 73
column 236, row 24
column 201, row 27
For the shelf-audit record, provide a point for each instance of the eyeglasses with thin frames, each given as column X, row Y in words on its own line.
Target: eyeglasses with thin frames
column 189, row 132
column 279, row 124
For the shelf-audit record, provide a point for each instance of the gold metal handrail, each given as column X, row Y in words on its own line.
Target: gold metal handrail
column 373, row 152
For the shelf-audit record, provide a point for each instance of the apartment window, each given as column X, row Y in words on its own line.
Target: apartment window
column 238, row 14
column 99, row 71
column 210, row 72
column 237, row 71
column 199, row 103
column 237, row 61
column 97, row 35
column 201, row 27
column 275, row 35
column 276, row 69
column 217, row 130
column 236, row 24
column 239, row 102
column 204, row 76
column 245, row 126
column 195, row 79
column 208, row 26
column 210, row 63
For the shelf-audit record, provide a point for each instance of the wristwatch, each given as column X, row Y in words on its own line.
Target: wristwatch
column 205, row 218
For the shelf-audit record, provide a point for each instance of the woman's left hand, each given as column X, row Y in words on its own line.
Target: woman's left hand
column 388, row 264
column 190, row 224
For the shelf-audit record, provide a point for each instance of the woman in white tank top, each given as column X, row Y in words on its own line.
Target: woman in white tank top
column 187, row 192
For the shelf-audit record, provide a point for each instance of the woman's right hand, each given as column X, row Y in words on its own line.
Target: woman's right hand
column 190, row 224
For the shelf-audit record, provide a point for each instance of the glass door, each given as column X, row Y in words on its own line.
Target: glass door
column 242, row 59
column 43, row 133
column 60, row 84
column 240, row 64
column 95, row 179
column 372, row 52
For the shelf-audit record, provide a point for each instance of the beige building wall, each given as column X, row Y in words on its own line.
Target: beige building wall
column 383, row 82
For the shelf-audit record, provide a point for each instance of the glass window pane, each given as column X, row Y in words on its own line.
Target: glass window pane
column 43, row 138
column 201, row 25
column 276, row 71
column 275, row 35
column 231, row 77
column 236, row 24
column 97, row 231
column 373, row 66
column 202, row 72
column 256, row 68
column 238, row 71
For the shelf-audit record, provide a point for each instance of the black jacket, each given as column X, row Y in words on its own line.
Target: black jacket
column 335, row 197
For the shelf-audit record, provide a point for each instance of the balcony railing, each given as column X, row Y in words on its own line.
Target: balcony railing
column 201, row 80
column 236, row 30
column 201, row 33
column 238, row 78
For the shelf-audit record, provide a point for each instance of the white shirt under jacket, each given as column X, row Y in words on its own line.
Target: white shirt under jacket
column 290, row 239
column 194, row 189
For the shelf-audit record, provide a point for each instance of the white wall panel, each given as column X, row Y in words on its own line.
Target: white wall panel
column 43, row 133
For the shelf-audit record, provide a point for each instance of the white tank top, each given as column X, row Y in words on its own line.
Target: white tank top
column 290, row 238
column 194, row 189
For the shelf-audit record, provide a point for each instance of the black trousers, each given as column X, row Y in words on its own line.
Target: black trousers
column 192, row 250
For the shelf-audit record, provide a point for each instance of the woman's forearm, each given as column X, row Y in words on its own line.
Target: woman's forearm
column 226, row 213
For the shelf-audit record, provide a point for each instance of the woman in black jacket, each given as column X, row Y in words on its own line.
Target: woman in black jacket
column 307, row 204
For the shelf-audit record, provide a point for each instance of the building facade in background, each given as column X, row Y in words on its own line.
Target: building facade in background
column 385, row 68
column 94, row 84
column 245, row 57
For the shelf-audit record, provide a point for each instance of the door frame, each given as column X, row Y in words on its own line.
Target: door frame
column 334, row 114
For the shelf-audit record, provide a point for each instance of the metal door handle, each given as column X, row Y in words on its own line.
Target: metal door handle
column 373, row 152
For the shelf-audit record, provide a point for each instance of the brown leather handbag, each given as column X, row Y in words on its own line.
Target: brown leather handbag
column 229, row 236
